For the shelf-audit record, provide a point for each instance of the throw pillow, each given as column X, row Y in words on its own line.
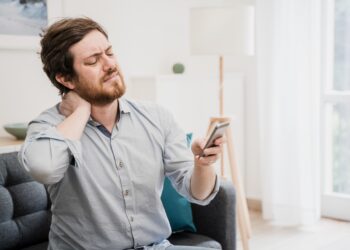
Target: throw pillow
column 177, row 208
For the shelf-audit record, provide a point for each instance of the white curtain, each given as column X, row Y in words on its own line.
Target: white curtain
column 288, row 78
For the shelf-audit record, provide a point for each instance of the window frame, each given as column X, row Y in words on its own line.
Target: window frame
column 334, row 205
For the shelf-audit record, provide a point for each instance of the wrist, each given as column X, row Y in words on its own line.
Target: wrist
column 203, row 167
column 203, row 162
column 84, row 111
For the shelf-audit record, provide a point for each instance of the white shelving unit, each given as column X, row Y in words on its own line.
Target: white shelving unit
column 193, row 99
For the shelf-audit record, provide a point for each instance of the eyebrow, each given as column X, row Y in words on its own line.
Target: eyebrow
column 98, row 53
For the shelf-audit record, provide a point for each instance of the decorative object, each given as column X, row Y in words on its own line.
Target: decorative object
column 23, row 18
column 18, row 130
column 13, row 31
column 178, row 68
column 225, row 31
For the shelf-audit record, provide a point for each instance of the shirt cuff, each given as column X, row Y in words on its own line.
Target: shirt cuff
column 74, row 146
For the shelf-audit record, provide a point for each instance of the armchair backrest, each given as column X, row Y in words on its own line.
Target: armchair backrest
column 24, row 206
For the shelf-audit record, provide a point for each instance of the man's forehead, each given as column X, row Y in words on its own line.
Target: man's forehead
column 93, row 42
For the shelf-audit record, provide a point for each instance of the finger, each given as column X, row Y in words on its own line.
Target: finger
column 213, row 150
column 220, row 140
column 198, row 144
column 201, row 142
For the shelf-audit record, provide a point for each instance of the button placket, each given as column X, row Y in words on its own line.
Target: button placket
column 126, row 189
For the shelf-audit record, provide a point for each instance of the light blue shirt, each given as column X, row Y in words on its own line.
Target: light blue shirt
column 105, row 189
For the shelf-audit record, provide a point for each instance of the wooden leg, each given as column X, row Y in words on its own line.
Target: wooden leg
column 242, row 228
column 242, row 202
column 242, row 207
column 222, row 165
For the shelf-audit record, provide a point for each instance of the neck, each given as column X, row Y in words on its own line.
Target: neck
column 106, row 114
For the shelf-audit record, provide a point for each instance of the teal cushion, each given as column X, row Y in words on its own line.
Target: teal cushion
column 189, row 139
column 177, row 208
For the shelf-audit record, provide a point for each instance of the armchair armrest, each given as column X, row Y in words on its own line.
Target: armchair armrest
column 218, row 219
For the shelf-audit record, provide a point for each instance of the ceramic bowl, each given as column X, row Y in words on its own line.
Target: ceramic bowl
column 18, row 130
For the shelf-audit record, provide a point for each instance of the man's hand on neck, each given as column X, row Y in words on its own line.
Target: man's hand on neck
column 77, row 112
column 71, row 101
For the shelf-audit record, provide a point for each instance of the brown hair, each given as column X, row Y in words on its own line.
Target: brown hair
column 55, row 43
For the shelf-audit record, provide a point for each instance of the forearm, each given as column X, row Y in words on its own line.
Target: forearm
column 202, row 181
column 73, row 126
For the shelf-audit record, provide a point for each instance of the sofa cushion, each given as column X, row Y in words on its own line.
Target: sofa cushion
column 177, row 208
column 193, row 239
column 24, row 214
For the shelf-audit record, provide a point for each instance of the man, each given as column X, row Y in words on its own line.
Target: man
column 104, row 158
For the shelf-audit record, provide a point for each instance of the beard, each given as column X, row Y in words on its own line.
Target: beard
column 102, row 93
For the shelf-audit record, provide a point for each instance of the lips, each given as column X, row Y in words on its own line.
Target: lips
column 110, row 76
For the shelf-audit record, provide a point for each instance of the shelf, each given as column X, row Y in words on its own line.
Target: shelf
column 9, row 144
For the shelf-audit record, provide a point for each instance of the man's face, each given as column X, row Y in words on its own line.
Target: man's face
column 98, row 77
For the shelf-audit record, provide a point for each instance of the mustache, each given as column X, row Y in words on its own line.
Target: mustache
column 110, row 72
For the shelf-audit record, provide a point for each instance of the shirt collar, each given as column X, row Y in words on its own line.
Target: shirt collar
column 123, row 107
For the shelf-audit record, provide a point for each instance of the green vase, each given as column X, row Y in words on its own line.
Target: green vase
column 178, row 68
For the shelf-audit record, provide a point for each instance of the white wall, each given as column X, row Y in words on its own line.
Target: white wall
column 148, row 37
column 24, row 90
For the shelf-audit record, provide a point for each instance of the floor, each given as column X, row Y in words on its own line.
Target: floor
column 327, row 234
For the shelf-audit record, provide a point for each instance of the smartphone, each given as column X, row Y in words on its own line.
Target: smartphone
column 216, row 132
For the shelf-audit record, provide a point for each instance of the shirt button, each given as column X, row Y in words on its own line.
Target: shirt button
column 131, row 218
column 126, row 192
column 121, row 164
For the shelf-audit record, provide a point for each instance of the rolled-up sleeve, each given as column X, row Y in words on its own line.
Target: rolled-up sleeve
column 46, row 154
column 179, row 161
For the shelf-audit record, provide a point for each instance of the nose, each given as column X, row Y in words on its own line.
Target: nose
column 108, row 63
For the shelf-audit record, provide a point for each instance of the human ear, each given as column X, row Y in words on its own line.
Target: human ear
column 65, row 81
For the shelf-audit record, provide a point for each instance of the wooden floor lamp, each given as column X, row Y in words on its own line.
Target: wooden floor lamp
column 221, row 31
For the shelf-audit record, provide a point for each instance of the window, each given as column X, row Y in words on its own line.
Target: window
column 336, row 109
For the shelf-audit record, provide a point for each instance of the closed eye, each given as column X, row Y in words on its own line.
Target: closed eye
column 91, row 61
column 109, row 51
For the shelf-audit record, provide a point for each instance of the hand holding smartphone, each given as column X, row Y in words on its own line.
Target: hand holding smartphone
column 217, row 131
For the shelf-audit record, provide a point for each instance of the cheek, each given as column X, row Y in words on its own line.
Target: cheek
column 91, row 75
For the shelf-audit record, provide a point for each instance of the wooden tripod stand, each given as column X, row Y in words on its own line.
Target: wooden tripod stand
column 242, row 208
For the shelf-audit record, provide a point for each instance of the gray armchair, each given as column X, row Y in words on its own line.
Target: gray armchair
column 216, row 221
column 25, row 213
